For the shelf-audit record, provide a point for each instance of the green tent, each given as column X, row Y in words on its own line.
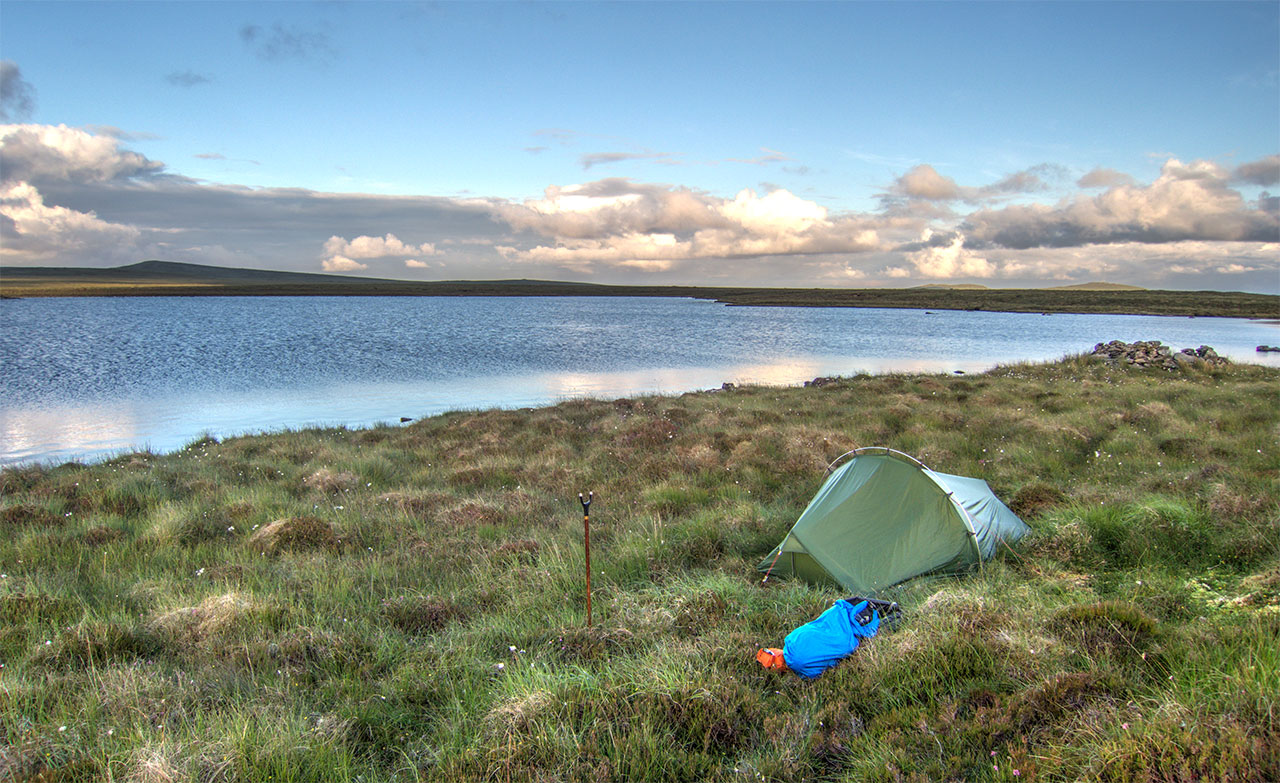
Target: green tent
column 882, row 518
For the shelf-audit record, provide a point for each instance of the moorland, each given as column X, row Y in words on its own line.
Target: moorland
column 161, row 278
column 407, row 603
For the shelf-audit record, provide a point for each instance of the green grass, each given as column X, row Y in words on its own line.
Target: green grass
column 407, row 603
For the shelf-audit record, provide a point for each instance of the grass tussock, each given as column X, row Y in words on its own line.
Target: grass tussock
column 295, row 534
column 408, row 603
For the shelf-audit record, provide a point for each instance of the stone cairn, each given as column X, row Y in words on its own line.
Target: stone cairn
column 1153, row 353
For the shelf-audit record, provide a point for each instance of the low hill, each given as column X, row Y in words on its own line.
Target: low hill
column 172, row 271
column 166, row 278
column 1096, row 286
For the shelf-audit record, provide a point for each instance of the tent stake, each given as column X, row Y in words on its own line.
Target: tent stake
column 586, row 537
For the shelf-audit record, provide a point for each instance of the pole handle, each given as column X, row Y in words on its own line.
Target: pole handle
column 586, row 538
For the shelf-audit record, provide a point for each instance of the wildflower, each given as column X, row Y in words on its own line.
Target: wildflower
column 512, row 648
column 1016, row 773
column 500, row 666
column 1124, row 726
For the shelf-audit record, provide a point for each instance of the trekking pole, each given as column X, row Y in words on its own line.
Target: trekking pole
column 586, row 537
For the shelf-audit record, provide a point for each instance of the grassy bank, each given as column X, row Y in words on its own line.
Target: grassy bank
column 406, row 603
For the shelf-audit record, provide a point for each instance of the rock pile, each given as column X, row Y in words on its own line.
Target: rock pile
column 1153, row 353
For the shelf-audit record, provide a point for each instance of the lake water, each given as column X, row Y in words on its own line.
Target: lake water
column 85, row 378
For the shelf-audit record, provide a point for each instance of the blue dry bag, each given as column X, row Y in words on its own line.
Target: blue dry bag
column 820, row 644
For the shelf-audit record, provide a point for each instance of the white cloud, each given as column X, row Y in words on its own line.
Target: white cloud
column 35, row 152
column 1104, row 178
column 89, row 200
column 36, row 231
column 375, row 247
column 1189, row 201
column 340, row 253
column 342, row 264
column 951, row 261
column 617, row 222
column 925, row 182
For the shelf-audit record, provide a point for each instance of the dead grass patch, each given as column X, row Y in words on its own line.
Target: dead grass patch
column 26, row 515
column 1036, row 498
column 330, row 482
column 419, row 505
column 215, row 619
column 419, row 614
column 516, row 714
column 294, row 534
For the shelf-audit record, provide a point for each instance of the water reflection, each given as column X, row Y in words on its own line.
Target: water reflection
column 69, row 432
column 81, row 379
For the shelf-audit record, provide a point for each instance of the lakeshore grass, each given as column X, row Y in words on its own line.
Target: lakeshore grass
column 407, row 603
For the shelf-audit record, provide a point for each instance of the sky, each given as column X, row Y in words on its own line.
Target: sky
column 794, row 144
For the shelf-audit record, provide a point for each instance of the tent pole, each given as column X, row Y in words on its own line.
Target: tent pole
column 771, row 565
column 586, row 537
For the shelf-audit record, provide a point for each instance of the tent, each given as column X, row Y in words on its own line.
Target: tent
column 883, row 517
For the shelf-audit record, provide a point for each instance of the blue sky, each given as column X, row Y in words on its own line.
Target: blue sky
column 1008, row 144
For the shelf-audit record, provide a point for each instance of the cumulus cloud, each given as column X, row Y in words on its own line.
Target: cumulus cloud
column 37, row 231
column 926, row 183
column 342, row 264
column 79, row 196
column 951, row 261
column 340, row 254
column 17, row 97
column 1188, row 201
column 375, row 247
column 57, row 152
column 620, row 223
column 923, row 183
column 1104, row 178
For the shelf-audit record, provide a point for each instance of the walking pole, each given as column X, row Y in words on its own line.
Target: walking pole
column 586, row 536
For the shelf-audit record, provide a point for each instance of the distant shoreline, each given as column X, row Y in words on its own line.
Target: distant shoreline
column 165, row 279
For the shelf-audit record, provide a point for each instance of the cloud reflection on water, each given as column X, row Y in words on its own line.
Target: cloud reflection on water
column 94, row 430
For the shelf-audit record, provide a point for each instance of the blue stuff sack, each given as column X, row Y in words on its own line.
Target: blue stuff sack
column 823, row 642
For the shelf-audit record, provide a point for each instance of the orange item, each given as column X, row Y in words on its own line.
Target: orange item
column 771, row 658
